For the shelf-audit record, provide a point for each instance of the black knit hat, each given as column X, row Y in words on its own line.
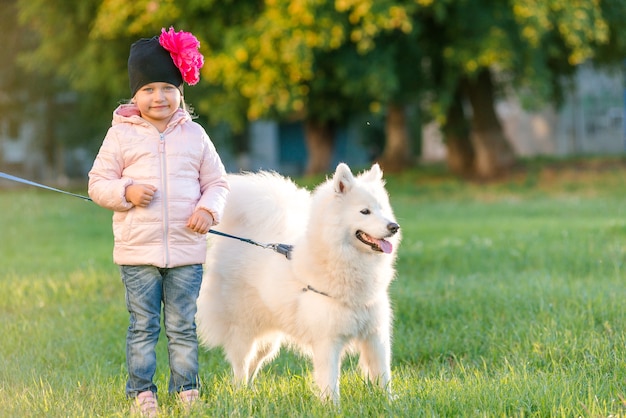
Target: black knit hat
column 149, row 62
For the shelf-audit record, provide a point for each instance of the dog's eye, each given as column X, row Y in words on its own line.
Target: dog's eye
column 365, row 211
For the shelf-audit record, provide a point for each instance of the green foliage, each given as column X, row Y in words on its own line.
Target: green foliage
column 508, row 302
column 614, row 13
column 530, row 43
column 324, row 60
column 318, row 60
column 12, row 81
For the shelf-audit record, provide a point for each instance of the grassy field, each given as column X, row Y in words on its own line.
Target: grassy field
column 509, row 301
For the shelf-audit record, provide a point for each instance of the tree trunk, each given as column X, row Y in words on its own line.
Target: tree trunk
column 460, row 152
column 397, row 153
column 49, row 145
column 493, row 154
column 320, row 137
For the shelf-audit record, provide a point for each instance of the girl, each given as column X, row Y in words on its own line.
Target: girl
column 161, row 176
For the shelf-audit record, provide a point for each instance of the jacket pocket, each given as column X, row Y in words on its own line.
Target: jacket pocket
column 122, row 225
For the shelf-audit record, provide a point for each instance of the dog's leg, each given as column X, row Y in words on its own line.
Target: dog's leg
column 326, row 366
column 265, row 351
column 239, row 350
column 240, row 369
column 375, row 360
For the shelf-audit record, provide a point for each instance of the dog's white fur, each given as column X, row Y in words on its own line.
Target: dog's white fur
column 332, row 294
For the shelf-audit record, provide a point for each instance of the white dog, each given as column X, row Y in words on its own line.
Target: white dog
column 329, row 298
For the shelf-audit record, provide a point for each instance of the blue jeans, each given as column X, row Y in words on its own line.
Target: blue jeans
column 146, row 288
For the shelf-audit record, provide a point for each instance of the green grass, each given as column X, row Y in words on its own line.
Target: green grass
column 509, row 301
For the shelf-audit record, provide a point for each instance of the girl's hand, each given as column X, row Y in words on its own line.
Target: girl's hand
column 140, row 194
column 200, row 221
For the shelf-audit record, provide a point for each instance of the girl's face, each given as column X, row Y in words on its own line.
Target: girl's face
column 157, row 102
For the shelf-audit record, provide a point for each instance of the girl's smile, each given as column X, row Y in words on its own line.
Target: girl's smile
column 157, row 102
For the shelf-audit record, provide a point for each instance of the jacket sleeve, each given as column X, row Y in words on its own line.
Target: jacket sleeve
column 107, row 186
column 213, row 184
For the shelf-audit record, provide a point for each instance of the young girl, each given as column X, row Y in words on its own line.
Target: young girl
column 161, row 175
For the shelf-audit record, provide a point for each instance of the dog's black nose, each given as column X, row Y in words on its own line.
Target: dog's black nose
column 393, row 227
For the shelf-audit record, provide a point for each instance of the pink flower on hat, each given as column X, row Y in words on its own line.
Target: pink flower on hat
column 183, row 48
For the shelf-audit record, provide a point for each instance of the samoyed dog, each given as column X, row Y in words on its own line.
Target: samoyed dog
column 329, row 298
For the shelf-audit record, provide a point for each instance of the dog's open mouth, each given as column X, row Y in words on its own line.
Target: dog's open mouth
column 376, row 244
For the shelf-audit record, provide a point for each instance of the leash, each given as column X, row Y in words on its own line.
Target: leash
column 283, row 249
column 32, row 183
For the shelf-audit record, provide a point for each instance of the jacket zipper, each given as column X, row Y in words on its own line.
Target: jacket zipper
column 164, row 195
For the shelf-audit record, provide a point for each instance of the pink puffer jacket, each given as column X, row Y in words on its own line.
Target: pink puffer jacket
column 186, row 170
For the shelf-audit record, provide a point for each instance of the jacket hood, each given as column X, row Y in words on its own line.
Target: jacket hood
column 129, row 113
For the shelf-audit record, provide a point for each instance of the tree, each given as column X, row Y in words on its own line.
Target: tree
column 528, row 44
column 315, row 61
column 614, row 49
column 13, row 85
column 29, row 93
column 77, row 80
column 320, row 61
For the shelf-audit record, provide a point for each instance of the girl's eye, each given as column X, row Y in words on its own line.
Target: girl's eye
column 365, row 211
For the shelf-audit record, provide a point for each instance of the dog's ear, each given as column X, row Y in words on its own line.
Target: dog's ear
column 373, row 174
column 343, row 178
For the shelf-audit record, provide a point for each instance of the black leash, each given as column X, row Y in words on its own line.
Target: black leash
column 283, row 249
column 32, row 183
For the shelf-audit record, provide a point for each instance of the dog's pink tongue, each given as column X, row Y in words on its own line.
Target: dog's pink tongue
column 385, row 246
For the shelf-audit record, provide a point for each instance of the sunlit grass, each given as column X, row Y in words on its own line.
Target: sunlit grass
column 509, row 301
